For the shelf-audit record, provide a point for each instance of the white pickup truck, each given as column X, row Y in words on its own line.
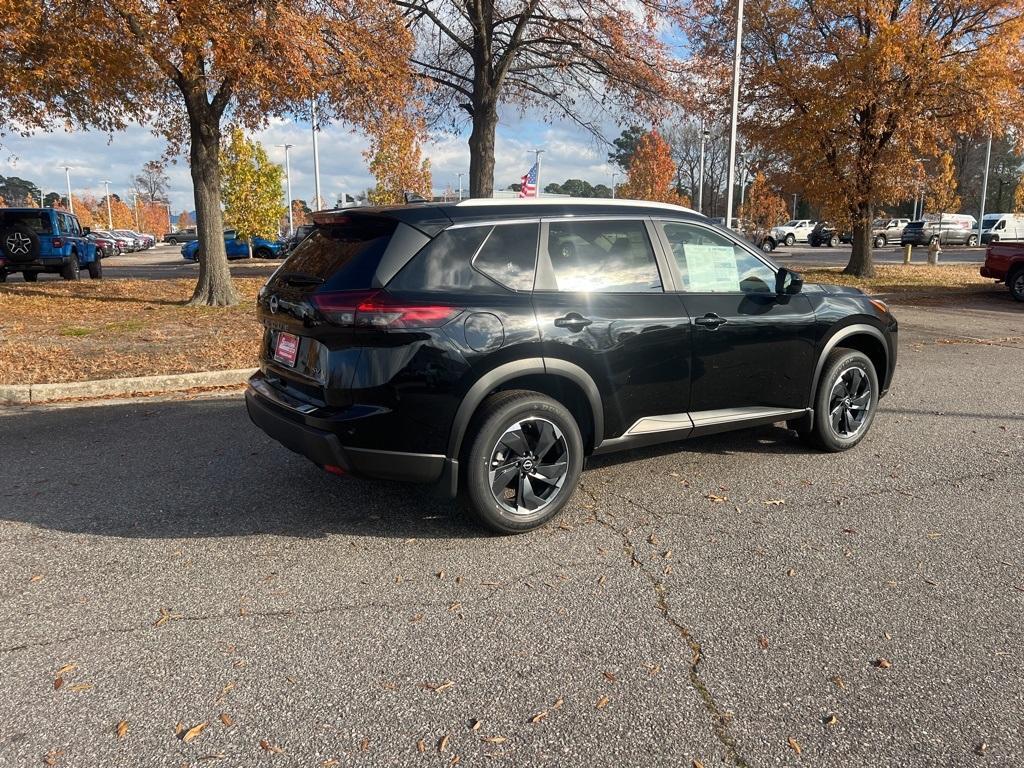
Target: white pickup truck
column 794, row 230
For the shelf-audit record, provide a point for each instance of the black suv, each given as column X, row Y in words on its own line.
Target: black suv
column 490, row 347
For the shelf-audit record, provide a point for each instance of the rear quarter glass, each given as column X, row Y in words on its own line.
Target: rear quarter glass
column 345, row 254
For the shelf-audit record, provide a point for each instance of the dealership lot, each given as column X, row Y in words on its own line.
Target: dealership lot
column 707, row 601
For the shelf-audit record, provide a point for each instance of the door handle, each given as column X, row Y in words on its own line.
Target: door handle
column 574, row 321
column 711, row 321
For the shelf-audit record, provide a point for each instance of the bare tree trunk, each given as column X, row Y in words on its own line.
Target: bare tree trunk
column 481, row 149
column 214, row 288
column 861, row 263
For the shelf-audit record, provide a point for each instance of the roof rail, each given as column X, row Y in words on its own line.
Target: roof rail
column 482, row 202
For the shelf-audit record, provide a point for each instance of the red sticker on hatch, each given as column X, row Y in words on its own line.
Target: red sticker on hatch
column 287, row 348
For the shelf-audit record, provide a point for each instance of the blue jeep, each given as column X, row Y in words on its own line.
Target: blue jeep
column 236, row 247
column 34, row 240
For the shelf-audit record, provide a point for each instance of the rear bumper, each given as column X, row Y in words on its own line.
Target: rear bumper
column 990, row 273
column 323, row 447
column 36, row 265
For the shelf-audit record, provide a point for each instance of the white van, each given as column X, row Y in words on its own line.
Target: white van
column 1002, row 226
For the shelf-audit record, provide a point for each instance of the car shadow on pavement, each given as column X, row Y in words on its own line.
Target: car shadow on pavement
column 200, row 469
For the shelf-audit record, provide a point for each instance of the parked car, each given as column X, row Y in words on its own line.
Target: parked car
column 996, row 227
column 34, row 240
column 1004, row 262
column 953, row 229
column 301, row 233
column 793, row 231
column 105, row 246
column 134, row 242
column 181, row 236
column 120, row 243
column 489, row 347
column 237, row 247
column 885, row 231
column 823, row 233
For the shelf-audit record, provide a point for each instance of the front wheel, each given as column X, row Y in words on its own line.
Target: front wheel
column 833, row 241
column 880, row 241
column 972, row 241
column 1015, row 283
column 790, row 239
column 524, row 461
column 263, row 253
column 95, row 270
column 845, row 404
column 767, row 245
column 73, row 269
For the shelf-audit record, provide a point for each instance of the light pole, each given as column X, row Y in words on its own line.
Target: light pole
column 288, row 186
column 615, row 175
column 460, row 186
column 110, row 218
column 794, row 204
column 67, row 178
column 984, row 186
column 537, row 153
column 704, row 133
column 316, row 160
column 743, row 180
column 735, row 111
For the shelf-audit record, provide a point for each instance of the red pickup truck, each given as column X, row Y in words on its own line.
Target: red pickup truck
column 1005, row 262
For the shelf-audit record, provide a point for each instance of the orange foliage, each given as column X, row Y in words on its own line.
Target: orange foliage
column 763, row 208
column 652, row 172
column 396, row 162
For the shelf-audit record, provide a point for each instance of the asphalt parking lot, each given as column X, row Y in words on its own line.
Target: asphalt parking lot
column 734, row 600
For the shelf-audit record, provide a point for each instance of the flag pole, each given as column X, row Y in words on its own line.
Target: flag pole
column 537, row 153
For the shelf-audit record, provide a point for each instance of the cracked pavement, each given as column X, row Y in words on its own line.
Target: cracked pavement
column 189, row 567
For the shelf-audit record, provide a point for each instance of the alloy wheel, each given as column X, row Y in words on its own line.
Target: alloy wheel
column 528, row 466
column 1017, row 284
column 849, row 402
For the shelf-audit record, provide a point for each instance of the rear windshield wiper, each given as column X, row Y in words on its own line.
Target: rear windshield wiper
column 300, row 278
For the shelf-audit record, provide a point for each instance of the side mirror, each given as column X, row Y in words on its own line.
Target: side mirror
column 86, row 231
column 788, row 282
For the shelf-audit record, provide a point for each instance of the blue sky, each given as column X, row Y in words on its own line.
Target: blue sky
column 93, row 157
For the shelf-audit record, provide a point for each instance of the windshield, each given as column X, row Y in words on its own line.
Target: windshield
column 879, row 223
column 791, row 223
column 990, row 221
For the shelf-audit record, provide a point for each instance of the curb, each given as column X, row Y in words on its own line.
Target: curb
column 27, row 394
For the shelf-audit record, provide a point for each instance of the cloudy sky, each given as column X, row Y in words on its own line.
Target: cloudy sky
column 93, row 157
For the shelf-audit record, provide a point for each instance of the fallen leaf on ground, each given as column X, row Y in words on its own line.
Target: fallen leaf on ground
column 539, row 717
column 226, row 719
column 794, row 745
column 476, row 724
column 830, row 719
column 849, row 530
column 122, row 729
column 774, row 502
column 494, row 739
column 53, row 758
column 442, row 745
column 421, row 746
column 57, row 683
column 838, row 680
column 193, row 733
column 715, row 497
column 883, row 663
column 763, row 642
column 364, row 745
column 268, row 747
column 602, row 702
column 36, row 578
column 610, row 677
column 77, row 687
column 696, row 763
column 66, row 669
column 791, row 572
column 444, row 686
column 330, row 762
column 179, row 729
column 558, row 703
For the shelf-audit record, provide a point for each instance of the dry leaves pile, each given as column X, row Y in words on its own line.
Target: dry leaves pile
column 912, row 278
column 77, row 331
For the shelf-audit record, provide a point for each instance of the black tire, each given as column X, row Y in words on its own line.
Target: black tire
column 767, row 245
column 171, row 241
column 3, row 276
column 833, row 241
column 880, row 241
column 263, row 253
column 548, row 439
column 95, row 270
column 20, row 243
column 972, row 241
column 72, row 270
column 30, row 277
column 1015, row 282
column 790, row 239
column 839, row 424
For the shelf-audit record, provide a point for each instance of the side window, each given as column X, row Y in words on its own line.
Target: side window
column 509, row 255
column 446, row 264
column 603, row 257
column 711, row 263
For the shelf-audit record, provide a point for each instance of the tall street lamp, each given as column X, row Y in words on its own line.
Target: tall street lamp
column 537, row 153
column 704, row 133
column 110, row 218
column 460, row 186
column 288, row 186
column 67, row 178
column 735, row 111
column 318, row 205
column 984, row 185
column 615, row 175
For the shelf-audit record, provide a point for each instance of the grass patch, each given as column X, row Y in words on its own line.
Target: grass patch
column 97, row 329
column 907, row 278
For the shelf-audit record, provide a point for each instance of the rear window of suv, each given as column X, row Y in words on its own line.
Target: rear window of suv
column 37, row 221
column 345, row 253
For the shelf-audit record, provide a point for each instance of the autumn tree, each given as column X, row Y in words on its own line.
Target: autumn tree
column 763, row 208
column 396, row 162
column 652, row 172
column 850, row 94
column 184, row 220
column 187, row 66
column 251, row 188
column 151, row 182
column 576, row 61
column 121, row 215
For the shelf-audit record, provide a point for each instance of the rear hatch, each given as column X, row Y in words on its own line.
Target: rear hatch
column 319, row 309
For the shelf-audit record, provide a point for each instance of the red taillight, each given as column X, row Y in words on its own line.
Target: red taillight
column 378, row 309
column 334, row 469
column 57, row 242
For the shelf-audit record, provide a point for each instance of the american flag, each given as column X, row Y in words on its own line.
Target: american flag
column 528, row 187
